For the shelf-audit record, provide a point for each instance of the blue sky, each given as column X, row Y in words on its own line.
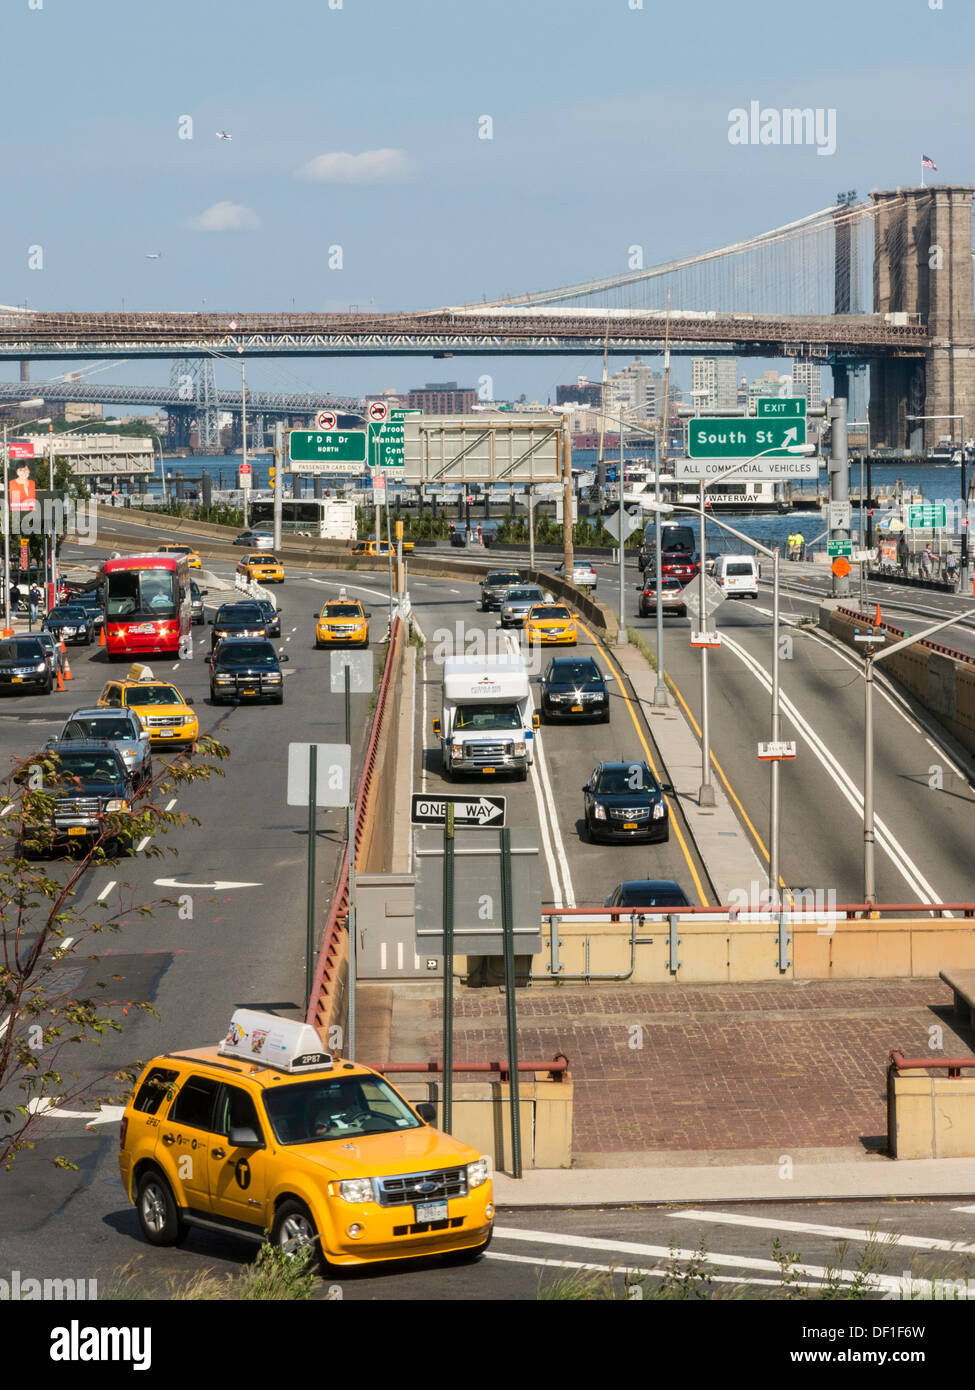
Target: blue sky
column 610, row 127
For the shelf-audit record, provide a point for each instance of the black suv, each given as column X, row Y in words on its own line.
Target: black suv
column 624, row 801
column 70, row 622
column 92, row 602
column 24, row 665
column 237, row 620
column 246, row 668
column 494, row 585
column 574, row 687
column 92, row 782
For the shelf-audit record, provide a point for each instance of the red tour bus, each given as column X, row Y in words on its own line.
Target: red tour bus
column 147, row 603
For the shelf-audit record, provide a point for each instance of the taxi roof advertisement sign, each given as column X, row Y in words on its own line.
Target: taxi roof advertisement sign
column 281, row 1043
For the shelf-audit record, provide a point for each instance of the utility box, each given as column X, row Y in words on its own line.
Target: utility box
column 386, row 931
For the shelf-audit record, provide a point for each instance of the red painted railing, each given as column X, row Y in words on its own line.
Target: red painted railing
column 898, row 632
column 954, row 1065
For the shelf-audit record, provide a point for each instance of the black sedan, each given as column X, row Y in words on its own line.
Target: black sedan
column 648, row 892
column 575, row 688
column 238, row 620
column 624, row 801
column 244, row 668
column 70, row 623
column 91, row 601
column 272, row 616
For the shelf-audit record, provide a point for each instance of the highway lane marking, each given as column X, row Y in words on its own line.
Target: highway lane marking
column 7, row 809
column 702, row 895
column 170, row 804
column 666, row 1252
column 175, row 668
column 965, row 1209
column 815, row 1228
column 105, row 891
column 142, row 844
column 908, row 870
column 335, row 584
column 539, row 1262
column 61, row 948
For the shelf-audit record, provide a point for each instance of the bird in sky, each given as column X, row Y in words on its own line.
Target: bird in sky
column 222, row 135
column 153, row 255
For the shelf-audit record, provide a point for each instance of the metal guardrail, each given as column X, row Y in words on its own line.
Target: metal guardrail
column 557, row 1069
column 849, row 911
column 898, row 632
column 328, row 956
column 953, row 1065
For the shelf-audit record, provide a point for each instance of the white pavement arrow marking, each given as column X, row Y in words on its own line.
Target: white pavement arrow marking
column 175, row 883
column 105, row 1115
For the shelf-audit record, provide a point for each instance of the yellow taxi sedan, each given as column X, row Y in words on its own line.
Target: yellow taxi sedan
column 192, row 558
column 161, row 707
column 551, row 623
column 262, row 568
column 342, row 622
column 380, row 547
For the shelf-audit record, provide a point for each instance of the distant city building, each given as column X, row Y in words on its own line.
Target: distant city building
column 715, row 380
column 442, row 398
column 584, row 392
column 75, row 410
column 770, row 384
column 636, row 387
column 807, row 381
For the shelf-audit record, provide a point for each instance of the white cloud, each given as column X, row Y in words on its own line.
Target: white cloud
column 225, row 217
column 372, row 166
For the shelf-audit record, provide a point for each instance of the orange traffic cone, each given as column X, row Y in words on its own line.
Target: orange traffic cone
column 60, row 679
column 66, row 663
column 101, row 636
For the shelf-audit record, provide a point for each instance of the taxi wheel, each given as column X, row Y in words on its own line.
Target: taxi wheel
column 158, row 1214
column 294, row 1232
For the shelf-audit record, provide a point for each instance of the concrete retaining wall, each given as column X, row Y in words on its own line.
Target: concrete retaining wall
column 930, row 1115
column 482, row 1118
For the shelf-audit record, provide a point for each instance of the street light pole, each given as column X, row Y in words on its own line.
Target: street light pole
column 705, row 796
column 964, row 578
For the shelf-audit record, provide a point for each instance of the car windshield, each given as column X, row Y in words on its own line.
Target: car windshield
column 148, row 593
column 264, row 558
column 311, row 1112
column 67, row 615
column 153, row 695
column 523, row 595
column 90, row 767
column 496, row 579
column 248, row 654
column 232, row 614
column 195, row 589
column 88, row 600
column 628, row 777
column 571, row 672
column 96, row 726
column 472, row 717
column 342, row 610
column 21, row 649
column 639, row 895
column 550, row 612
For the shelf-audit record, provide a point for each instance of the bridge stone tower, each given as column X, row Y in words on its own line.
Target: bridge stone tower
column 923, row 265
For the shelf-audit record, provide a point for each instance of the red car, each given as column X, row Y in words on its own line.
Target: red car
column 679, row 565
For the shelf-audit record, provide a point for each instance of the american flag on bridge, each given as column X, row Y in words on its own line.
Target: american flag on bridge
column 928, row 163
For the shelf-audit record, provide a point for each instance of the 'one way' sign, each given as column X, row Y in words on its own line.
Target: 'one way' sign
column 468, row 810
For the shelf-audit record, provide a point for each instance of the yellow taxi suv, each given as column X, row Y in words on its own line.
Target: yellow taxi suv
column 341, row 622
column 380, row 548
column 262, row 568
column 269, row 1136
column 163, row 710
column 551, row 623
column 192, row 557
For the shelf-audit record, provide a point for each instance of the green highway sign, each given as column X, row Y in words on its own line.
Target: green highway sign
column 781, row 407
column 836, row 548
column 719, row 438
column 387, row 442
column 322, row 451
column 927, row 516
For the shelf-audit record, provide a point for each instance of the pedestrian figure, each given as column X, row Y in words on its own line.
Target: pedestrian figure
column 35, row 601
column 800, row 545
column 927, row 561
column 951, row 567
column 14, row 598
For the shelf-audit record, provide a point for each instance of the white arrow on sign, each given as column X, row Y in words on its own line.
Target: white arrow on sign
column 791, row 437
column 105, row 1115
column 175, row 883
column 483, row 810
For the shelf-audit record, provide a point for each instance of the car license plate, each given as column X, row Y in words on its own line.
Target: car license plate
column 576, row 709
column 486, row 770
column 431, row 1211
column 76, row 830
column 165, row 733
column 252, row 691
column 629, row 825
column 16, row 680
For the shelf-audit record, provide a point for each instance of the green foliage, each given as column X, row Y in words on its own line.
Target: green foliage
column 273, row 1277
column 38, row 911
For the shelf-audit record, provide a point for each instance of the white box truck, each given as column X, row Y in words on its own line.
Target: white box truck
column 488, row 721
column 339, row 520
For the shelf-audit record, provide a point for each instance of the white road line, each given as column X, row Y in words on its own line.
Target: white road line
column 335, row 584
column 142, row 844
column 105, row 891
column 175, row 668
column 631, row 1269
column 61, row 948
column 815, row 1228
column 965, row 1209
column 665, row 1252
column 294, row 629
column 885, row 839
column 170, row 804
column 7, row 809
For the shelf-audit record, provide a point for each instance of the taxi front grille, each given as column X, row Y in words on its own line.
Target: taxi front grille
column 422, row 1227
column 401, row 1190
column 161, row 721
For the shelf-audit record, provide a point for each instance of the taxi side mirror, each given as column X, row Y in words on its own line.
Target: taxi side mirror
column 243, row 1137
column 536, row 721
column 436, row 727
column 427, row 1111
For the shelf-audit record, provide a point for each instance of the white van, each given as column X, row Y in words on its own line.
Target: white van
column 738, row 576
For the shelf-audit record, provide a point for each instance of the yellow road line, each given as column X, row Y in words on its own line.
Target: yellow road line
column 702, row 895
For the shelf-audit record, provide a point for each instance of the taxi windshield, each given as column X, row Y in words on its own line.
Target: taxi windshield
column 539, row 612
column 342, row 610
column 308, row 1112
column 153, row 695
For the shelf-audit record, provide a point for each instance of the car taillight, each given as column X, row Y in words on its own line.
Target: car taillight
column 123, row 1127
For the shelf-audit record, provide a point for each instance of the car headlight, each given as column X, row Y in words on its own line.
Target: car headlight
column 117, row 804
column 659, row 811
column 41, row 666
column 223, row 680
column 274, row 676
column 519, row 749
column 457, row 749
column 357, row 1190
column 599, row 812
column 478, row 1172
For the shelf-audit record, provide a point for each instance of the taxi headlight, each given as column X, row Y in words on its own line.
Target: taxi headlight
column 599, row 812
column 357, row 1190
column 478, row 1173
column 117, row 804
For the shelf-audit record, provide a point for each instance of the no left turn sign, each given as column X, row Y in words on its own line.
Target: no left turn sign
column 326, row 420
column 378, row 412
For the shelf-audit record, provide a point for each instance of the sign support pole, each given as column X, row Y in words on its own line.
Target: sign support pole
column 278, row 483
column 705, row 796
column 348, row 709
column 447, row 1115
column 507, row 925
column 773, row 865
column 351, row 927
column 310, row 893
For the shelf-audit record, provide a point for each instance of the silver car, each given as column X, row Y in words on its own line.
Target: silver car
column 52, row 651
column 122, row 728
column 516, row 603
